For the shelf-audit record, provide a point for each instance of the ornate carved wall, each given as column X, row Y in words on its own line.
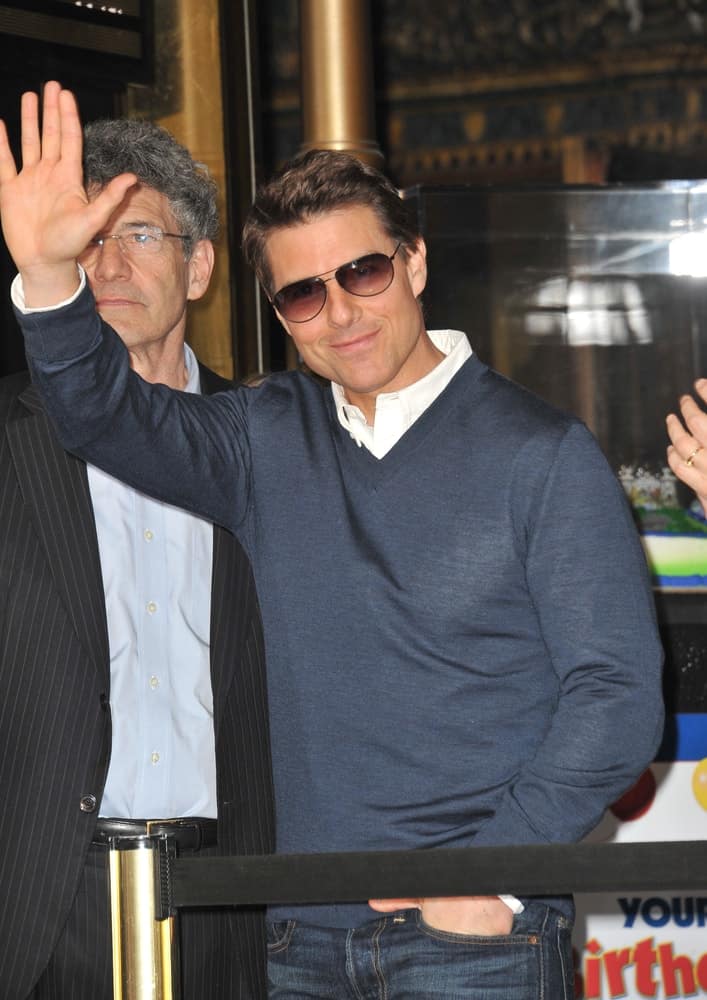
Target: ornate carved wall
column 477, row 91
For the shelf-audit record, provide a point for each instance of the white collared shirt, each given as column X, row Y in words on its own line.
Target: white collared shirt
column 156, row 565
column 398, row 411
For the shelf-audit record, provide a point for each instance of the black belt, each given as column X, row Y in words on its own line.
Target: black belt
column 189, row 833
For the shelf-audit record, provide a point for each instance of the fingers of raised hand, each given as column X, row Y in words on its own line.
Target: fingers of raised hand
column 61, row 126
column 8, row 168
column 695, row 420
column 99, row 209
column 51, row 144
column 686, row 454
column 679, row 437
column 701, row 389
column 71, row 134
column 30, row 141
column 60, row 138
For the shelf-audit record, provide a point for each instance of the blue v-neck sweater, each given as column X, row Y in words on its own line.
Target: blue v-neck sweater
column 460, row 636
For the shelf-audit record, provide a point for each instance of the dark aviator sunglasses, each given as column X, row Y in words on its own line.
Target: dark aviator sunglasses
column 369, row 275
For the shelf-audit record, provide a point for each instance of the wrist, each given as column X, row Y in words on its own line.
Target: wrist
column 47, row 286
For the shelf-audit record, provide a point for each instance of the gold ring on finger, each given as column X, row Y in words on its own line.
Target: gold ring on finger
column 689, row 461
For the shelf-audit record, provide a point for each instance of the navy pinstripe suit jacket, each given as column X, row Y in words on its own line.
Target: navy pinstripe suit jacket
column 55, row 728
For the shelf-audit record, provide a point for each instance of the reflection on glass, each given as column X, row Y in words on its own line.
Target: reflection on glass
column 592, row 297
column 597, row 311
column 595, row 299
column 688, row 255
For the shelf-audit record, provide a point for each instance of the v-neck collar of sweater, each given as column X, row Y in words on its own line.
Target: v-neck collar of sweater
column 375, row 470
column 397, row 411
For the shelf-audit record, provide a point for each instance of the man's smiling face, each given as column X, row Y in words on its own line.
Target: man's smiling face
column 369, row 344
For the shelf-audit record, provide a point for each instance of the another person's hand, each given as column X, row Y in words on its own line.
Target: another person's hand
column 478, row 915
column 47, row 217
column 687, row 453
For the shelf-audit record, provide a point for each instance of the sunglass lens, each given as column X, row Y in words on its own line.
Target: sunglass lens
column 367, row 275
column 301, row 301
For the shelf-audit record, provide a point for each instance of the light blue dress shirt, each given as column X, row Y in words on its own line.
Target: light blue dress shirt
column 156, row 564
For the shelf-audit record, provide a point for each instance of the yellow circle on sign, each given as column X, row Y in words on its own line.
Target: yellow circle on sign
column 699, row 783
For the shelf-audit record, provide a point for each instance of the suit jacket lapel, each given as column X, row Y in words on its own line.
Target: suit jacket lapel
column 55, row 487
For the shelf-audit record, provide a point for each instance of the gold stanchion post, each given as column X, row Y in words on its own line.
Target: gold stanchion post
column 145, row 943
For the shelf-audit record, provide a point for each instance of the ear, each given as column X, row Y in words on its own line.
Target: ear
column 201, row 265
column 416, row 265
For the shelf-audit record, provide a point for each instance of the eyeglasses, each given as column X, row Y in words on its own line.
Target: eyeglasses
column 140, row 241
column 369, row 275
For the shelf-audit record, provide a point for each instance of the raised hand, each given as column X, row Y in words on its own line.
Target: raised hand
column 687, row 453
column 47, row 216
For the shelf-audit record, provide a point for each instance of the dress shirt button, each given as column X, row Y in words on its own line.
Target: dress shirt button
column 148, row 535
column 88, row 803
column 155, row 757
column 151, row 607
column 154, row 682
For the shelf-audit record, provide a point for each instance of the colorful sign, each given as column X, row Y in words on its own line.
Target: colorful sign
column 652, row 944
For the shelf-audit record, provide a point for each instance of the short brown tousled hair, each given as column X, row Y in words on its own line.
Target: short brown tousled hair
column 315, row 183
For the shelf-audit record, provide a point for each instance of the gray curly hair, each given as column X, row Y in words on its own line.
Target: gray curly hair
column 122, row 145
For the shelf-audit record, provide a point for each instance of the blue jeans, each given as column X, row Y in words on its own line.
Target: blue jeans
column 400, row 957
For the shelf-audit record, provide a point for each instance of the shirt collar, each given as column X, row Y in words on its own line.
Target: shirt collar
column 192, row 367
column 397, row 411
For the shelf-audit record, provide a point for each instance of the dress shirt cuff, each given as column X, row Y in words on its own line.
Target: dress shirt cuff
column 17, row 294
column 513, row 904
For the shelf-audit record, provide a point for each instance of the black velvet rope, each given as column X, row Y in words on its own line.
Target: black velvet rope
column 537, row 870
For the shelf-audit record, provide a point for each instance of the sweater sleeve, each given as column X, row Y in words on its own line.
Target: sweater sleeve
column 165, row 443
column 588, row 580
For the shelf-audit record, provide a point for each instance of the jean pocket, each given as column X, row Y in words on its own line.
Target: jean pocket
column 515, row 935
column 279, row 933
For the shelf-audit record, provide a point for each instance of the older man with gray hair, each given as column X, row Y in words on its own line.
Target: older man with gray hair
column 131, row 661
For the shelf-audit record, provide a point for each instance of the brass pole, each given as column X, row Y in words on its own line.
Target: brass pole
column 337, row 78
column 242, row 138
column 186, row 100
column 198, row 123
column 145, row 955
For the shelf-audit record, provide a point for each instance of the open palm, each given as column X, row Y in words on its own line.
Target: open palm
column 47, row 217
